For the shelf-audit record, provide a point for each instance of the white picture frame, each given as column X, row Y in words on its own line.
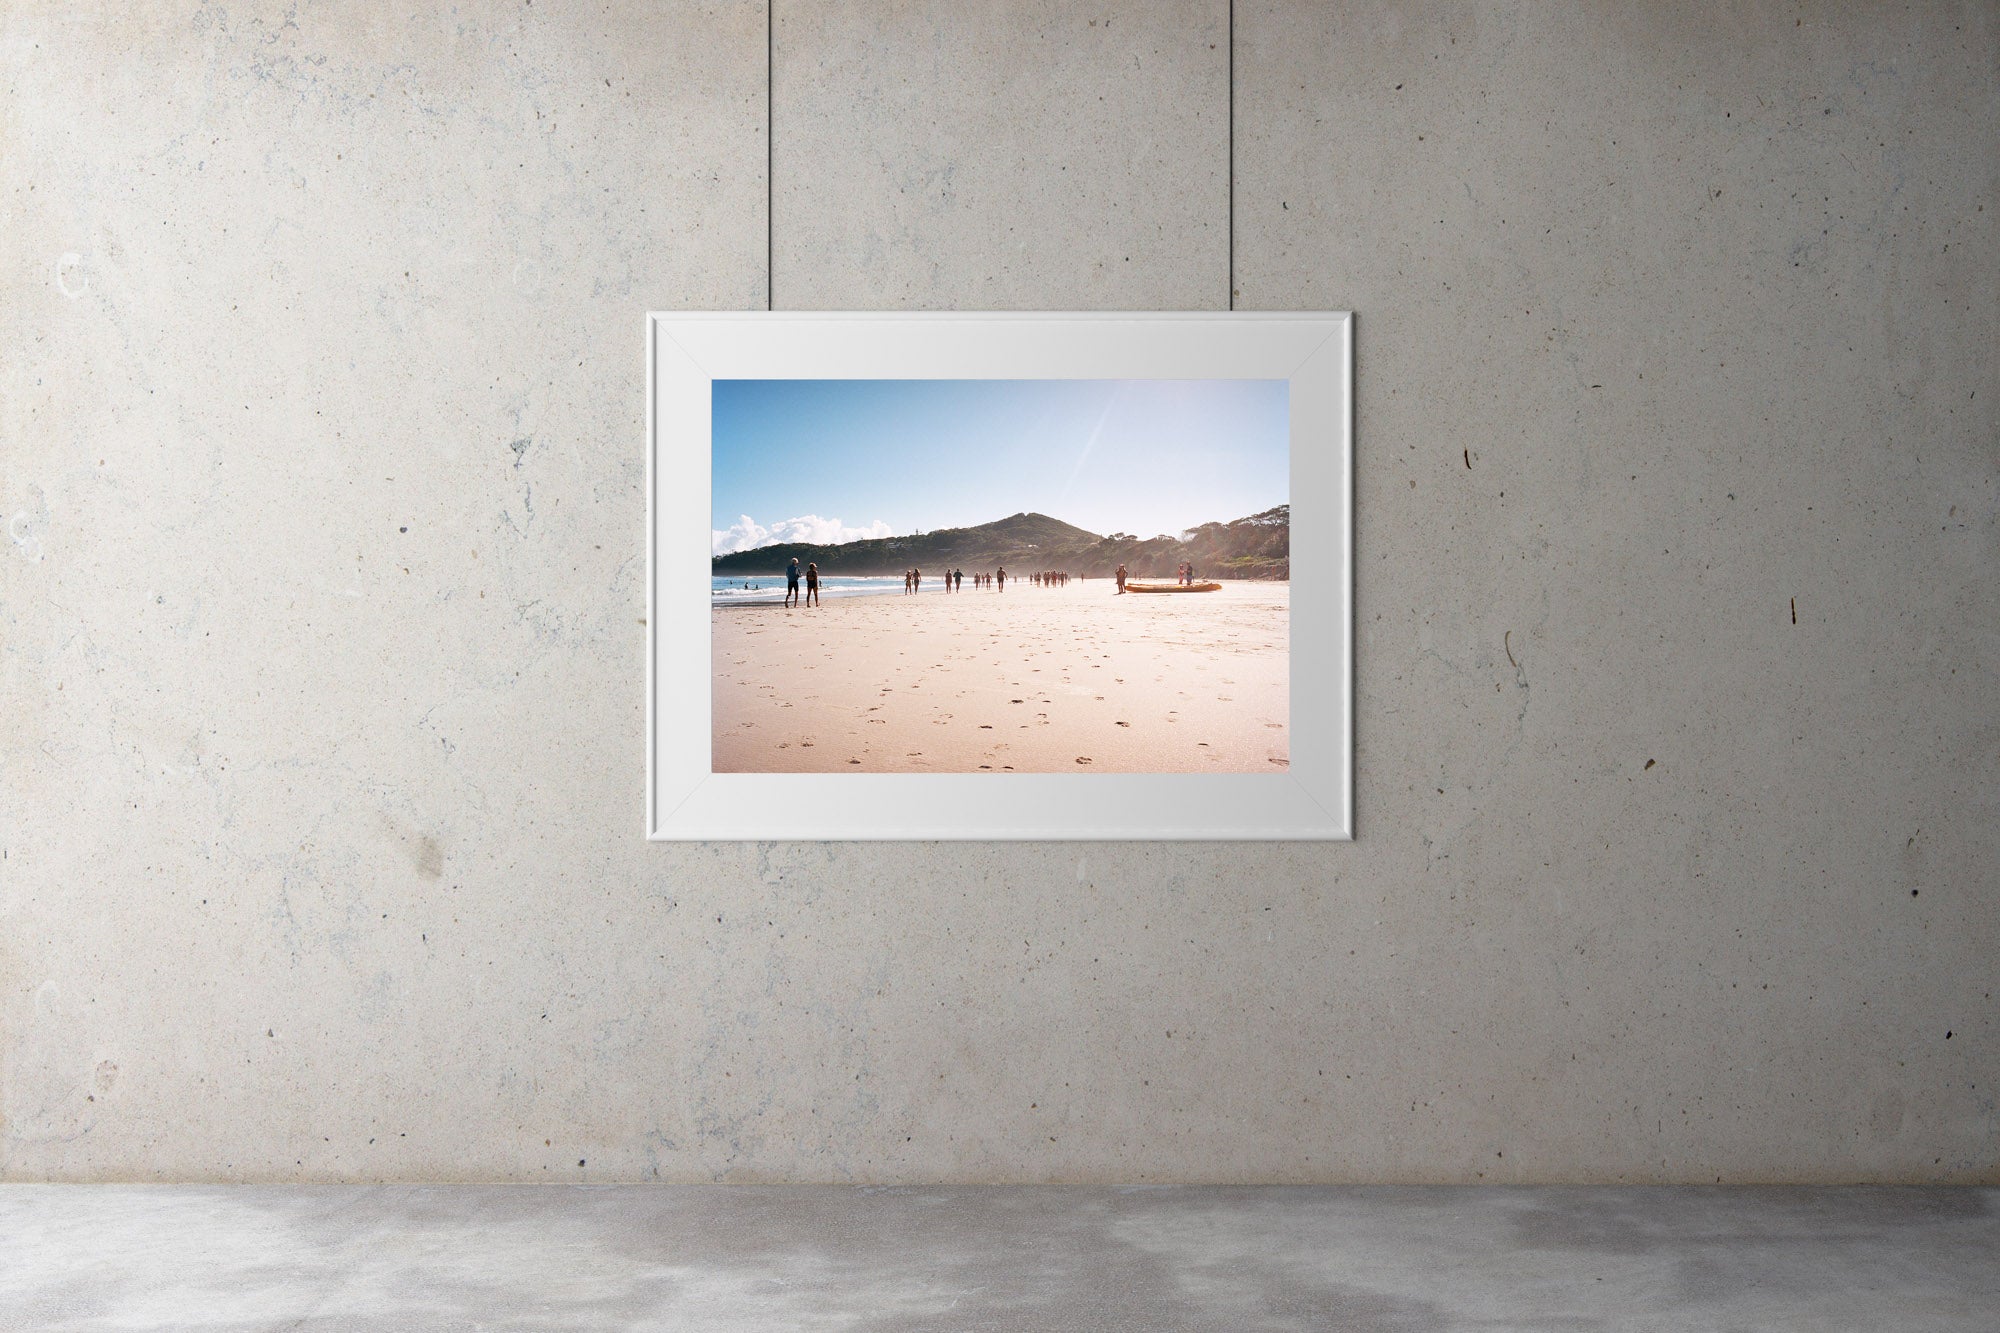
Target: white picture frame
column 687, row 801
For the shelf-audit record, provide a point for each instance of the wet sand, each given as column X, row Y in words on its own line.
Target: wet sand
column 1069, row 680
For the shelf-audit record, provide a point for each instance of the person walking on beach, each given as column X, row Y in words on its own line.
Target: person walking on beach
column 812, row 584
column 1121, row 578
column 792, row 581
column 1002, row 578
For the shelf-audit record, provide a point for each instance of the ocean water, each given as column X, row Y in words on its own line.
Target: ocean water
column 764, row 591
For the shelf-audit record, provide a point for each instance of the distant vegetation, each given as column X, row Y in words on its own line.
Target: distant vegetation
column 1257, row 547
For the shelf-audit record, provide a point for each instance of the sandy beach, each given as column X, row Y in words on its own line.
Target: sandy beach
column 1032, row 680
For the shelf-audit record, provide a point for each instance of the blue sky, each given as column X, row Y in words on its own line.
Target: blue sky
column 837, row 460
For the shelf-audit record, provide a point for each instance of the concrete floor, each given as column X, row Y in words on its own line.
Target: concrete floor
column 1059, row 1258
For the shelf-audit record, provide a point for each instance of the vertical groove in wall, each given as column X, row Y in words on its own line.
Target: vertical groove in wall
column 1232, row 154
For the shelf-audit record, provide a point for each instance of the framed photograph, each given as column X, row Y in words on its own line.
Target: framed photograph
column 926, row 576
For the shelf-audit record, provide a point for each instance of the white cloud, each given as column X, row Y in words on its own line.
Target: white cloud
column 747, row 534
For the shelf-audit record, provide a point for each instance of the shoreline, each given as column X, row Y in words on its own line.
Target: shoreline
column 777, row 596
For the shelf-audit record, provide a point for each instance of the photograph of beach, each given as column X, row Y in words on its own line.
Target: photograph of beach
column 1000, row 576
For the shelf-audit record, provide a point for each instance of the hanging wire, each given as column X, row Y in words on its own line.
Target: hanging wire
column 770, row 152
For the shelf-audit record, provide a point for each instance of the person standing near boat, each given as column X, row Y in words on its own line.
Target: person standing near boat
column 1121, row 578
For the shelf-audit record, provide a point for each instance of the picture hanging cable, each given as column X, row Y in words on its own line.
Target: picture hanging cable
column 770, row 154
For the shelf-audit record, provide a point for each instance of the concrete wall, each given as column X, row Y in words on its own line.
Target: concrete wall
column 1679, row 624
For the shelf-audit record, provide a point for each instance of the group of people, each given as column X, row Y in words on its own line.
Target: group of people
column 954, row 580
column 1183, row 574
column 792, row 583
column 913, row 581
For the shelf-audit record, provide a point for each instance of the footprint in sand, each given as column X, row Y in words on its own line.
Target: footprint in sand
column 1281, row 763
column 986, row 726
column 1083, row 759
column 1225, row 698
column 1275, row 726
column 987, row 767
column 1017, row 701
column 807, row 744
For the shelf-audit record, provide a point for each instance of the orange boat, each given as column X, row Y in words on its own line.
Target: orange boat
column 1173, row 587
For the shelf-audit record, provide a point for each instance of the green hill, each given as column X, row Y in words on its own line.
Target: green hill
column 1256, row 547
